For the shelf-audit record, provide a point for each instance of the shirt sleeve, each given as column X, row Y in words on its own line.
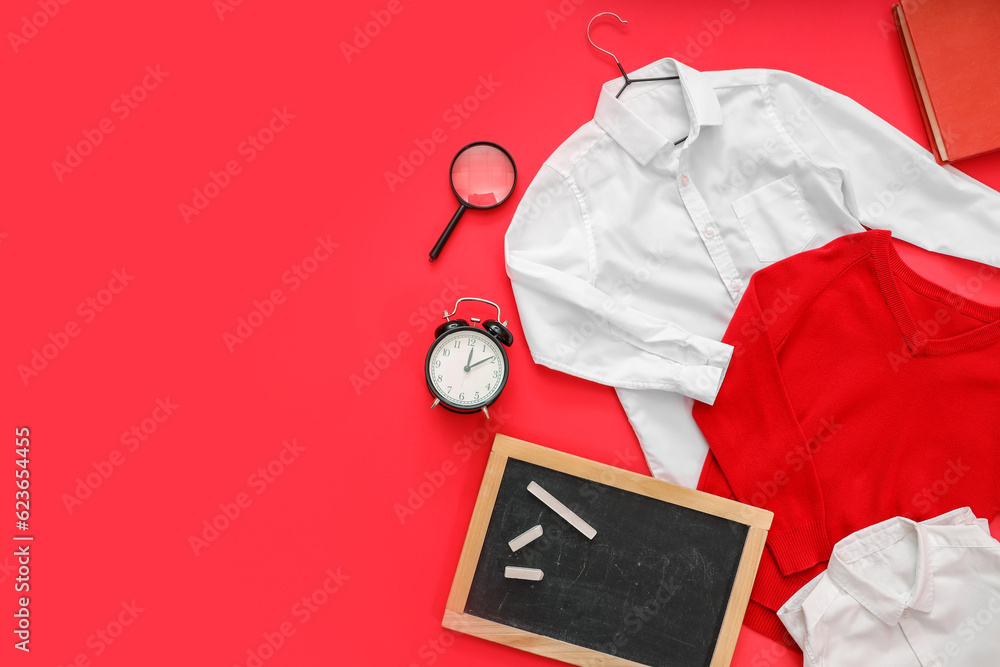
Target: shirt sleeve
column 752, row 429
column 888, row 180
column 573, row 326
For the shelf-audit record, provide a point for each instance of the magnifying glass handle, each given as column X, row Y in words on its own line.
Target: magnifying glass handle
column 447, row 232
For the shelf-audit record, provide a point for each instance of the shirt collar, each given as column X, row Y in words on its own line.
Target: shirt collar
column 870, row 585
column 637, row 136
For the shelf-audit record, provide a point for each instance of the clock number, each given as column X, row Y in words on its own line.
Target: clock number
column 445, row 352
column 449, row 389
column 496, row 374
column 476, row 398
column 437, row 364
column 487, row 386
column 458, row 344
column 461, row 396
column 440, row 377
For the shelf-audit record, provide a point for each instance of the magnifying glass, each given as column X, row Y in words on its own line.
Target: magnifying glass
column 482, row 176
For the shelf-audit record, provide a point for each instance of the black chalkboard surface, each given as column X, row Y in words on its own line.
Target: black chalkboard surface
column 664, row 582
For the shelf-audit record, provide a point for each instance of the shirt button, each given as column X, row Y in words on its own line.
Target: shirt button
column 906, row 614
column 736, row 285
column 685, row 180
column 709, row 231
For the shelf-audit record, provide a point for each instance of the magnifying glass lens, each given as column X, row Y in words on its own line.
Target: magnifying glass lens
column 482, row 175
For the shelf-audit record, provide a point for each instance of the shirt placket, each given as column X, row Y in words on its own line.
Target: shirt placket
column 708, row 231
column 911, row 621
column 923, row 649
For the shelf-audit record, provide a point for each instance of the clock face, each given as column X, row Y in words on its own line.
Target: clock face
column 467, row 369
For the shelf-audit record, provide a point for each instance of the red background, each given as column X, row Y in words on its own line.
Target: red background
column 366, row 445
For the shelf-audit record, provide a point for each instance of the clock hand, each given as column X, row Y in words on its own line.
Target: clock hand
column 467, row 366
column 481, row 361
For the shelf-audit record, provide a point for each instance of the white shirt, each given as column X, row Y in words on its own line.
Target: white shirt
column 628, row 253
column 904, row 594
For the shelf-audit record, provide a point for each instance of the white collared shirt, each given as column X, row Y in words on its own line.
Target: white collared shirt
column 629, row 251
column 904, row 594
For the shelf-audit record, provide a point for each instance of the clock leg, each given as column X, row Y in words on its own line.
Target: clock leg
column 434, row 404
column 486, row 412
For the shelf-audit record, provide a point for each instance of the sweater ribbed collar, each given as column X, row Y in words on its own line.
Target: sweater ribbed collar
column 890, row 268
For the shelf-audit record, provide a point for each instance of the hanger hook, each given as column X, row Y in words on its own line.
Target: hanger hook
column 589, row 39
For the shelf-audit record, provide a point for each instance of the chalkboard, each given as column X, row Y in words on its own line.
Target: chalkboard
column 664, row 582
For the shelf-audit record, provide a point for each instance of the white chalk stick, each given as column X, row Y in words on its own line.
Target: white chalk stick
column 527, row 537
column 562, row 510
column 526, row 573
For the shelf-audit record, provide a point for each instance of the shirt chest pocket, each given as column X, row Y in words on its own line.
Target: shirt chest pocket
column 775, row 220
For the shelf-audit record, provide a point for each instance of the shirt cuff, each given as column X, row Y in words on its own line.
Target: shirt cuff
column 674, row 360
column 799, row 548
column 702, row 383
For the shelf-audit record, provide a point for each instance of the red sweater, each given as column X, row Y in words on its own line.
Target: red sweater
column 858, row 391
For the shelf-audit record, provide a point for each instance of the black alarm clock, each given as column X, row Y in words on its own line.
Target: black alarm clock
column 466, row 367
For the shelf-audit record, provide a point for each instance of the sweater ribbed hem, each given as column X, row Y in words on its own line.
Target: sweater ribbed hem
column 799, row 548
column 772, row 590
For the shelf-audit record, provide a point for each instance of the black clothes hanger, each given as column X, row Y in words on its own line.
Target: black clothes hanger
column 628, row 81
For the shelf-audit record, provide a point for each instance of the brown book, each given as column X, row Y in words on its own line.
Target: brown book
column 951, row 51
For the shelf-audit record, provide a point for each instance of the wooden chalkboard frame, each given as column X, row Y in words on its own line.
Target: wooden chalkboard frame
column 757, row 520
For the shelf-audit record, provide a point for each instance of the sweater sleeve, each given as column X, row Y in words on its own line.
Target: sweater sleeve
column 752, row 428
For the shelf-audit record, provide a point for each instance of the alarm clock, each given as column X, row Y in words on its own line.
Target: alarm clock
column 466, row 367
